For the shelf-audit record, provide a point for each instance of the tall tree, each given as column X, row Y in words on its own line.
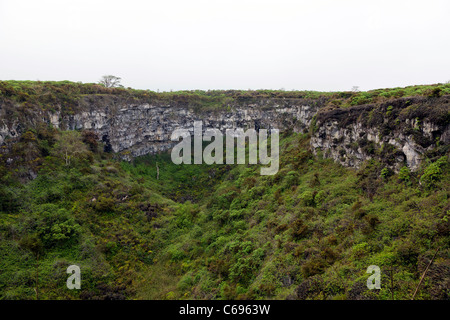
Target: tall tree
column 69, row 145
column 110, row 81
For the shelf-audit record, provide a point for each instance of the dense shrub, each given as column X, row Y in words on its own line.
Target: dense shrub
column 213, row 232
column 433, row 173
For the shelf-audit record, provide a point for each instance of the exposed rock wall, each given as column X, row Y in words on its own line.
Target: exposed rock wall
column 137, row 129
column 397, row 132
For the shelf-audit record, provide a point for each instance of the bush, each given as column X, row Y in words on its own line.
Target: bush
column 307, row 198
column 433, row 173
column 56, row 226
column 405, row 175
column 320, row 197
column 300, row 229
column 313, row 266
column 104, row 204
column 291, row 179
column 386, row 173
column 32, row 243
column 9, row 200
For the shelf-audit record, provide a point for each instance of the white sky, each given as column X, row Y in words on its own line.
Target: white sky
column 233, row 44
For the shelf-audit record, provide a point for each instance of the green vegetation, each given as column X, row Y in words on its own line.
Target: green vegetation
column 214, row 232
column 46, row 95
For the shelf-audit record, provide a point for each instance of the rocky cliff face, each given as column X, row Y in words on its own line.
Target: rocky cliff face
column 398, row 132
column 137, row 129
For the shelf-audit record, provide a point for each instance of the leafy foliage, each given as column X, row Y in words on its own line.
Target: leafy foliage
column 433, row 173
column 212, row 232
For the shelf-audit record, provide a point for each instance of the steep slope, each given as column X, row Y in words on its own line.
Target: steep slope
column 308, row 232
column 225, row 231
column 397, row 126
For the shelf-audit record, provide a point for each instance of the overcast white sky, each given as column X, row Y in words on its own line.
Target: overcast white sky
column 232, row 44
